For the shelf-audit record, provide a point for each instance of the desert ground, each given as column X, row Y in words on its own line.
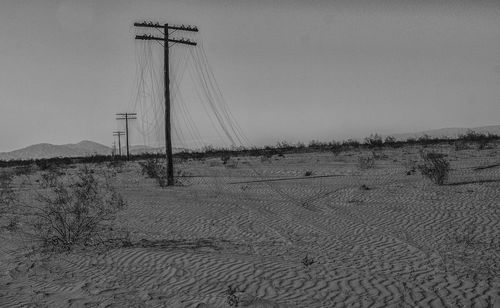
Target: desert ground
column 340, row 236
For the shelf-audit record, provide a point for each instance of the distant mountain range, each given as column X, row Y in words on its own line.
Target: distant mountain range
column 88, row 148
column 81, row 149
column 452, row 132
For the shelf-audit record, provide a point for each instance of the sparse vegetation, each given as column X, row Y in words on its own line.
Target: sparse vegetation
column 231, row 298
column 231, row 164
column 366, row 162
column 225, row 159
column 155, row 168
column 7, row 194
column 74, row 211
column 307, row 261
column 374, row 141
column 434, row 166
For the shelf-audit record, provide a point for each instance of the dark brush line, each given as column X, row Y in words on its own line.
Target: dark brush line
column 286, row 179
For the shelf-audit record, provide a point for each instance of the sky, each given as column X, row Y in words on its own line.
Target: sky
column 289, row 70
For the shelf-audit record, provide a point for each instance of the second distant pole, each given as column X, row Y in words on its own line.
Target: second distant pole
column 126, row 116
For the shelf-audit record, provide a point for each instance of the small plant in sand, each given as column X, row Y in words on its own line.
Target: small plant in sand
column 49, row 177
column 155, row 168
column 374, row 141
column 366, row 162
column 225, row 159
column 74, row 211
column 266, row 157
column 13, row 223
column 232, row 164
column 307, row 261
column 7, row 194
column 435, row 167
column 117, row 165
column 461, row 145
column 231, row 298
column 390, row 141
column 151, row 167
column 336, row 148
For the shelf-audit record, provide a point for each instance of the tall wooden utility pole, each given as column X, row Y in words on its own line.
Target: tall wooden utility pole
column 126, row 116
column 119, row 134
column 166, row 40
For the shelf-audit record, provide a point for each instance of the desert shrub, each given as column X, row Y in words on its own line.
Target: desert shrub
column 225, row 159
column 50, row 176
column 378, row 154
column 434, row 166
column 389, row 140
column 307, row 261
column 336, row 147
column 366, row 162
column 116, row 164
column 23, row 170
column 315, row 144
column 374, row 140
column 283, row 145
column 13, row 223
column 155, row 168
column 74, row 211
column 232, row 164
column 151, row 167
column 7, row 194
column 231, row 298
column 482, row 144
column 364, row 187
column 461, row 145
column 266, row 158
column 351, row 143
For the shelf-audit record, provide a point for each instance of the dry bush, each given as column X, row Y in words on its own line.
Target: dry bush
column 8, row 199
column 231, row 298
column 435, row 167
column 151, row 167
column 232, row 164
column 49, row 177
column 461, row 145
column 366, row 162
column 225, row 159
column 374, row 141
column 7, row 194
column 266, row 158
column 155, row 168
column 74, row 211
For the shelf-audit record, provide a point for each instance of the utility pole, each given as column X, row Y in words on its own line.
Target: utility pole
column 119, row 134
column 166, row 40
column 126, row 116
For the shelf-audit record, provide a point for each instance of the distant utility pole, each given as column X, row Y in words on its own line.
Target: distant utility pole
column 166, row 40
column 119, row 134
column 126, row 116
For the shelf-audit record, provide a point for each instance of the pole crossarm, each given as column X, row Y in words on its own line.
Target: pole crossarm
column 179, row 41
column 170, row 27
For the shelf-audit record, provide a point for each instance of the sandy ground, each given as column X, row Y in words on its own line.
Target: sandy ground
column 379, row 237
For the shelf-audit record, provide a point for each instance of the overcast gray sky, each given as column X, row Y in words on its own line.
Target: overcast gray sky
column 289, row 70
